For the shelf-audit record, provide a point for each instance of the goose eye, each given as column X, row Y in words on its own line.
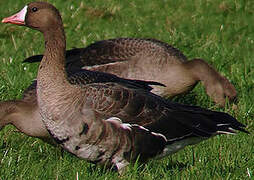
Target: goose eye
column 34, row 9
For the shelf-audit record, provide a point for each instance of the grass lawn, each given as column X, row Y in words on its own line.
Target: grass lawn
column 221, row 32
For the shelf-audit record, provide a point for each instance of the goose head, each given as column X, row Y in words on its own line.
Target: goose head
column 40, row 16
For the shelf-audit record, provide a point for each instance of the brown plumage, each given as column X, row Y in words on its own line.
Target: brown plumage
column 110, row 123
column 24, row 113
column 150, row 59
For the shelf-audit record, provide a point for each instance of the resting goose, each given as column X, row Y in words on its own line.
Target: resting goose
column 110, row 123
column 150, row 59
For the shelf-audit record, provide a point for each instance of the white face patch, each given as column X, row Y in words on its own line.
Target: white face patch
column 22, row 13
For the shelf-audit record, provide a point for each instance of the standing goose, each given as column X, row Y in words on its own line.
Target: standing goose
column 150, row 59
column 110, row 123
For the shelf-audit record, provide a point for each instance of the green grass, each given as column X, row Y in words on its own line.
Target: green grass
column 222, row 32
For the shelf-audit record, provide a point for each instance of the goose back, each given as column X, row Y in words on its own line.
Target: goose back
column 150, row 60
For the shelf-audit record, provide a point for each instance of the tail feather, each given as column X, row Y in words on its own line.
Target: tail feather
column 69, row 53
column 196, row 124
column 208, row 123
column 216, row 117
column 33, row 59
column 183, row 122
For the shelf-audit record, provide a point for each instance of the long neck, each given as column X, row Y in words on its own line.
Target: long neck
column 18, row 113
column 7, row 109
column 54, row 92
column 52, row 77
column 52, row 82
column 53, row 61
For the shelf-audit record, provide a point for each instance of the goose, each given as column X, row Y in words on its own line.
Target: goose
column 150, row 59
column 24, row 113
column 110, row 123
